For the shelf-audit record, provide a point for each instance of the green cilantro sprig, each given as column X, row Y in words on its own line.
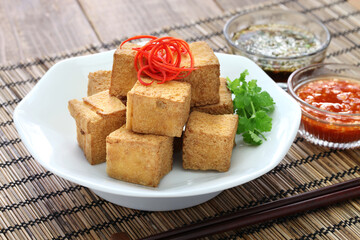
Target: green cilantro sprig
column 252, row 106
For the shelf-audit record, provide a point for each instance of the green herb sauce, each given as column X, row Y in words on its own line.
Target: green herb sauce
column 276, row 40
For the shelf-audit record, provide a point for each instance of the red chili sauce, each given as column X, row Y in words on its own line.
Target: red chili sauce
column 336, row 96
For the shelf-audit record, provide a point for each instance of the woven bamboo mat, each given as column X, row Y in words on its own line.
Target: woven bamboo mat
column 36, row 204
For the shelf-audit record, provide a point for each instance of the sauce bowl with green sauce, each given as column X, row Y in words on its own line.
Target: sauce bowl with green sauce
column 279, row 41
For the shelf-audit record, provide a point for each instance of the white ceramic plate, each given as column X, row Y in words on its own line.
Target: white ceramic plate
column 49, row 132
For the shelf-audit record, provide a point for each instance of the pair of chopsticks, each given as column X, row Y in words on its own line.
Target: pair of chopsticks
column 280, row 208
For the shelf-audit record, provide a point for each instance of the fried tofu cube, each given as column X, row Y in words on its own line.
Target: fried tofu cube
column 225, row 105
column 208, row 141
column 161, row 109
column 205, row 79
column 98, row 81
column 124, row 74
column 96, row 117
column 138, row 158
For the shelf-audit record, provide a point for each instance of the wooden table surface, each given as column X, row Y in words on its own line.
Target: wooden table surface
column 36, row 28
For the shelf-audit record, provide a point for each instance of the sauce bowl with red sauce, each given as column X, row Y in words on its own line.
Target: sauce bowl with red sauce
column 329, row 96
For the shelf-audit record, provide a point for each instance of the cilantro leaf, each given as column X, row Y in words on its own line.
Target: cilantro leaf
column 251, row 138
column 244, row 125
column 264, row 102
column 263, row 121
column 252, row 105
column 235, row 85
column 254, row 87
column 242, row 102
column 260, row 121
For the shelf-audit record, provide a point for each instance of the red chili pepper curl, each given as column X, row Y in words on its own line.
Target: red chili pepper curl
column 160, row 59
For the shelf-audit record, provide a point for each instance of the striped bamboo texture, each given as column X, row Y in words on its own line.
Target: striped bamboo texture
column 36, row 204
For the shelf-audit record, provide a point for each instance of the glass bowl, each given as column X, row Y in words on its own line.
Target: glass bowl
column 278, row 68
column 322, row 127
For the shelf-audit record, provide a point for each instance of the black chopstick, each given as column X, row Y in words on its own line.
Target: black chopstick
column 268, row 215
column 280, row 208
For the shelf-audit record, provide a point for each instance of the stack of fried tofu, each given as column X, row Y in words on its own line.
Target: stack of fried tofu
column 137, row 140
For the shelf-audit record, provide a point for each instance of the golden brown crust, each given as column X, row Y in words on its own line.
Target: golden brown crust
column 124, row 74
column 208, row 141
column 92, row 129
column 138, row 158
column 205, row 79
column 105, row 104
column 98, row 81
column 160, row 109
column 225, row 105
column 202, row 53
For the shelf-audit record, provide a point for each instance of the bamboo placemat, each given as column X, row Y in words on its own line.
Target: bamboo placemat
column 36, row 204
